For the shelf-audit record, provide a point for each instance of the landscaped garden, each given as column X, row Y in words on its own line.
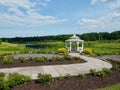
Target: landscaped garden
column 94, row 80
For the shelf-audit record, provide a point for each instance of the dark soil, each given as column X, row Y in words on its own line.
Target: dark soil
column 27, row 63
column 73, row 83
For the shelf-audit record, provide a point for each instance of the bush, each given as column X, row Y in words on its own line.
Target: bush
column 106, row 70
column 7, row 60
column 81, row 75
column 60, row 78
column 76, row 58
column 43, row 78
column 4, row 85
column 30, row 58
column 12, row 80
column 16, row 79
column 87, row 51
column 22, row 59
column 68, row 57
column 93, row 72
column 2, row 75
column 101, row 73
column 116, row 67
column 40, row 59
column 62, row 50
column 67, row 75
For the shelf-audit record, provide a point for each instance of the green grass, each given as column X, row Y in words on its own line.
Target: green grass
column 104, row 47
column 9, row 48
column 112, row 87
column 98, row 47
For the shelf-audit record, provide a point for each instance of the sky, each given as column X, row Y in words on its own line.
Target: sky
column 24, row 18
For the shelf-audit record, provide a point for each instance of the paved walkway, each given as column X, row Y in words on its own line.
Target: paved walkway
column 57, row 70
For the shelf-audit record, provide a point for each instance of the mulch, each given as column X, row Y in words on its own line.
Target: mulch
column 27, row 63
column 74, row 83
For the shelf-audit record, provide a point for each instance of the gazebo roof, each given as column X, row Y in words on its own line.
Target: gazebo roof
column 74, row 38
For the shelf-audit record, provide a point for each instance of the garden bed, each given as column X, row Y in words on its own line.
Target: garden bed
column 74, row 83
column 40, row 61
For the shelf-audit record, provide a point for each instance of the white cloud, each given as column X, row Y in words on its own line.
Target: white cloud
column 14, row 16
column 110, row 21
column 98, row 1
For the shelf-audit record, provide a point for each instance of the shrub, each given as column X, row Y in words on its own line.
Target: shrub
column 43, row 78
column 87, row 51
column 81, row 75
column 54, row 58
column 68, row 57
column 16, row 79
column 76, row 58
column 2, row 75
column 60, row 78
column 62, row 50
column 4, row 85
column 101, row 73
column 116, row 67
column 7, row 60
column 93, row 72
column 106, row 70
column 67, row 75
column 40, row 59
column 30, row 58
column 22, row 59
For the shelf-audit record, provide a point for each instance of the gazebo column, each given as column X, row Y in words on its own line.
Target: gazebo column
column 77, row 46
column 82, row 45
column 70, row 46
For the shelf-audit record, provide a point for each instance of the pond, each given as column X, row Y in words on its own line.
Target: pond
column 38, row 46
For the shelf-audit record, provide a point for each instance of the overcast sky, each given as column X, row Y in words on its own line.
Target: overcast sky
column 52, row 17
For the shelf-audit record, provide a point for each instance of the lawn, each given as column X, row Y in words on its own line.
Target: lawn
column 98, row 47
column 112, row 87
column 102, row 47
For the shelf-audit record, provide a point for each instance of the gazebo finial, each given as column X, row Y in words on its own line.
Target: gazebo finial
column 74, row 35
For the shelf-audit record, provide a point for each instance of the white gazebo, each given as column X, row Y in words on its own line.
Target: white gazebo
column 74, row 48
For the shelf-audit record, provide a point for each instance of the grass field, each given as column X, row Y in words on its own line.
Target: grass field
column 104, row 47
column 98, row 47
column 112, row 87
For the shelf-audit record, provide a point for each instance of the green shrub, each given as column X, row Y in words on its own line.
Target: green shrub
column 61, row 59
column 81, row 75
column 30, row 58
column 22, row 59
column 67, row 75
column 2, row 75
column 68, row 57
column 62, row 50
column 101, row 73
column 93, row 72
column 40, row 59
column 116, row 67
column 60, row 78
column 106, row 70
column 16, row 79
column 4, row 85
column 43, row 78
column 54, row 58
column 76, row 58
column 7, row 60
column 87, row 51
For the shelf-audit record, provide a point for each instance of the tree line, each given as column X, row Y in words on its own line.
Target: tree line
column 93, row 36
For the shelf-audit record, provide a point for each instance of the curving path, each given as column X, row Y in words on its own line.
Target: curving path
column 61, row 70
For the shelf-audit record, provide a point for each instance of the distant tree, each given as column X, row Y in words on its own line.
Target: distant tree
column 0, row 41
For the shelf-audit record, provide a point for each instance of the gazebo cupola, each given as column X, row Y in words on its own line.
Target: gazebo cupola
column 79, row 44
